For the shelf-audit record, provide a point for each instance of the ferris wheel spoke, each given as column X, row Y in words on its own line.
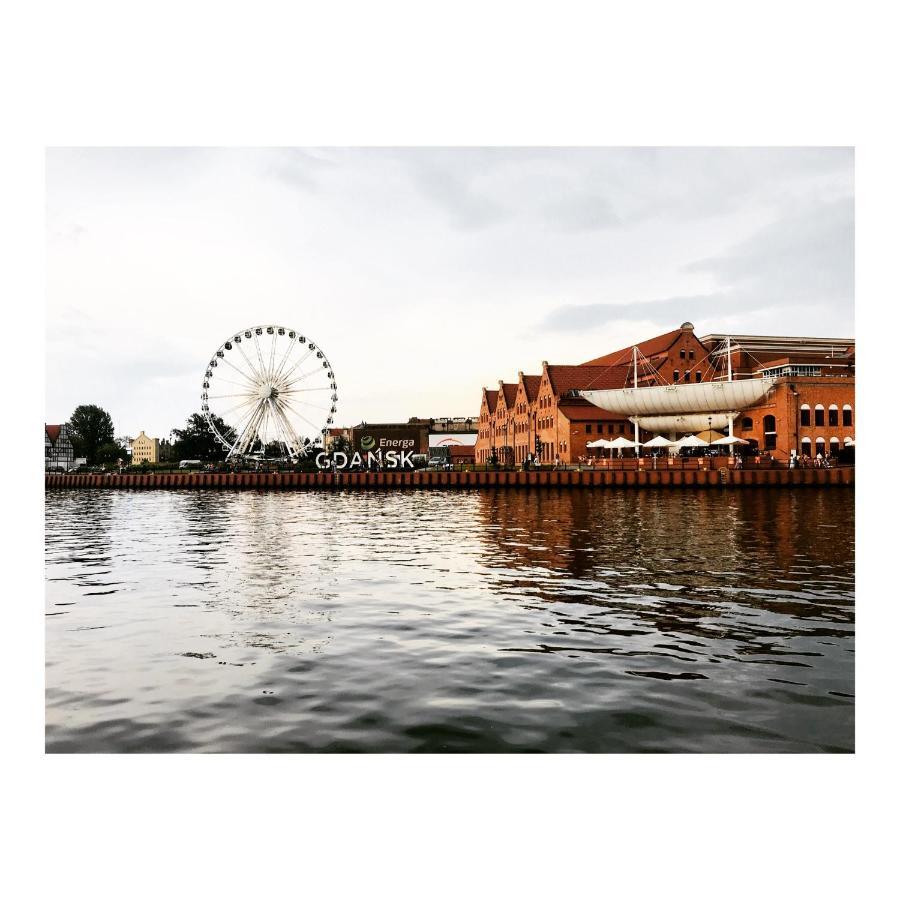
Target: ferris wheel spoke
column 297, row 444
column 257, row 376
column 237, row 406
column 289, row 440
column 235, row 383
column 304, row 390
column 251, row 381
column 284, row 358
column 300, row 378
column 294, row 367
column 301, row 416
column 262, row 365
column 271, row 370
column 227, row 396
column 241, row 419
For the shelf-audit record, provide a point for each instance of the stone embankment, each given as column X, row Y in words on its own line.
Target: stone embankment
column 631, row 478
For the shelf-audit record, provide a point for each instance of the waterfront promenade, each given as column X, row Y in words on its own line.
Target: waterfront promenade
column 701, row 477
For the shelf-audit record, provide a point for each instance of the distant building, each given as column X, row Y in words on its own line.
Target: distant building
column 414, row 435
column 58, row 450
column 462, row 455
column 144, row 449
column 336, row 436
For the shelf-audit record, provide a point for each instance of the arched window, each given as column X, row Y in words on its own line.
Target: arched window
column 771, row 438
column 676, row 375
column 806, row 447
column 820, row 446
column 833, row 446
column 747, row 423
column 848, row 415
column 848, row 439
column 698, row 376
column 820, row 414
column 832, row 415
column 804, row 414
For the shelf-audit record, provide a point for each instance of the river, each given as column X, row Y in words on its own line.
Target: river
column 549, row 620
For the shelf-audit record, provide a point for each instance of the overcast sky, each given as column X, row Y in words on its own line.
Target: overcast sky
column 424, row 274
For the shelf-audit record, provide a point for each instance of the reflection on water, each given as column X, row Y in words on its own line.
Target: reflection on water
column 507, row 620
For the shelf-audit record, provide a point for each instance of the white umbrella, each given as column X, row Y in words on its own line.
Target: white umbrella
column 849, row 442
column 600, row 442
column 621, row 443
column 730, row 439
column 691, row 440
column 658, row 441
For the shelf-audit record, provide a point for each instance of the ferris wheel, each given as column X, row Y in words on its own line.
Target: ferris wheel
column 269, row 391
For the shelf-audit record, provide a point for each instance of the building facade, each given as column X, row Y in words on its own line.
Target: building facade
column 809, row 410
column 144, row 449
column 58, row 450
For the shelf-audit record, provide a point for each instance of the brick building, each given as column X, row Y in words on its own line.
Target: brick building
column 808, row 410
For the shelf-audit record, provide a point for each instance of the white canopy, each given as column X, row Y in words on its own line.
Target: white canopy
column 691, row 440
column 621, row 443
column 678, row 399
column 682, row 424
column 599, row 443
column 658, row 441
column 730, row 439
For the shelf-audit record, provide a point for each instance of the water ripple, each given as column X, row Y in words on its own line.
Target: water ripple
column 428, row 621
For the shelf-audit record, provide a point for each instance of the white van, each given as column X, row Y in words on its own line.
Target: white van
column 190, row 464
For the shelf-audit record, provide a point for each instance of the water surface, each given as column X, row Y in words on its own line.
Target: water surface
column 480, row 621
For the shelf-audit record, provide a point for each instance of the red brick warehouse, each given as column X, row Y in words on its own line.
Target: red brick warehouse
column 809, row 409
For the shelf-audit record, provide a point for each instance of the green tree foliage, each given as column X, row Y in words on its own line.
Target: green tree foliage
column 110, row 452
column 195, row 441
column 90, row 428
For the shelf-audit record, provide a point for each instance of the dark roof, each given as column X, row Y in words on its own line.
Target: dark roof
column 53, row 432
column 509, row 393
column 491, row 397
column 588, row 413
column 582, row 378
column 650, row 347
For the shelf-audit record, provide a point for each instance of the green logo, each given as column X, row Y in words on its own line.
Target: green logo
column 367, row 442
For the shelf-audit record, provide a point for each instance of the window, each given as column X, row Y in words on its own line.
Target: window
column 820, row 446
column 771, row 437
column 848, row 415
column 682, row 353
column 832, row 415
column 833, row 446
column 804, row 414
column 806, row 447
column 676, row 375
column 588, row 428
column 747, row 423
column 691, row 354
column 820, row 414
column 687, row 376
column 697, row 376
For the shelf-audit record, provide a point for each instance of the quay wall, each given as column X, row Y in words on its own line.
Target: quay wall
column 689, row 478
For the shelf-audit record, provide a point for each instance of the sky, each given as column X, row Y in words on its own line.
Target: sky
column 424, row 274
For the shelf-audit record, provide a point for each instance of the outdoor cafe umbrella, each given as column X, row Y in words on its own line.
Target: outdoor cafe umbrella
column 709, row 436
column 621, row 443
column 658, row 441
column 691, row 440
column 730, row 440
column 600, row 443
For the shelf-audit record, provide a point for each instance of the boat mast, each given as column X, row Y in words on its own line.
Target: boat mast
column 731, row 417
column 637, row 446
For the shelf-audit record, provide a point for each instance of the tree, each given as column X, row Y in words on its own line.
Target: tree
column 195, row 441
column 110, row 453
column 90, row 427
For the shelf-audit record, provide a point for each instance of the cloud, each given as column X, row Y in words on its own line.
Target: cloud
column 803, row 260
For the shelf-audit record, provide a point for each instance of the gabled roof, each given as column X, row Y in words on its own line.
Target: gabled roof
column 509, row 393
column 580, row 378
column 491, row 397
column 650, row 347
column 53, row 432
column 532, row 384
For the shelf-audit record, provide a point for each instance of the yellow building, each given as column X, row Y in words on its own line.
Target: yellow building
column 144, row 448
